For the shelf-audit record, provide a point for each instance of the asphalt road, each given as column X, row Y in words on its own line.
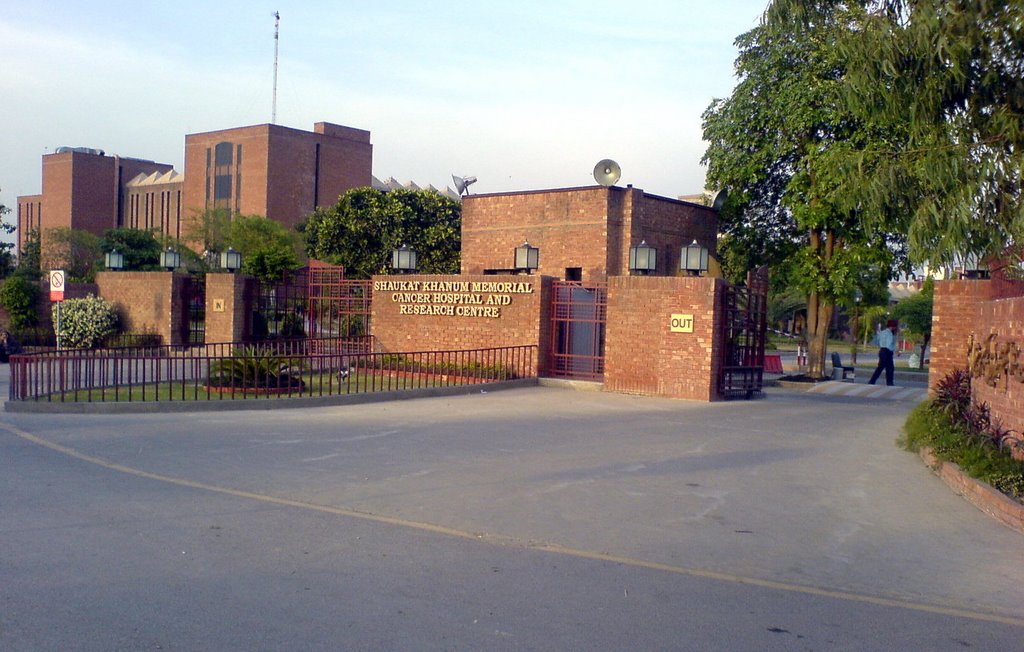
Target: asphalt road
column 529, row 519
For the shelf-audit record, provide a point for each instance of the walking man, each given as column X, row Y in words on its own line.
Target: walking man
column 886, row 349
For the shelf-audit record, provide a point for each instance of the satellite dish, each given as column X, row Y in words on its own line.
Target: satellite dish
column 719, row 201
column 462, row 184
column 607, row 172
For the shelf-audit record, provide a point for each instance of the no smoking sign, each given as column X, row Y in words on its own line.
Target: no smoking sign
column 56, row 285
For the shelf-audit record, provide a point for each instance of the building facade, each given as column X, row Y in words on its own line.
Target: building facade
column 278, row 172
column 82, row 189
column 583, row 234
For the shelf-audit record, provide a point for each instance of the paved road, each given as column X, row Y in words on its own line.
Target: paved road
column 536, row 518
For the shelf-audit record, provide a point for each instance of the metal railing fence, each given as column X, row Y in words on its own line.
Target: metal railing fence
column 280, row 369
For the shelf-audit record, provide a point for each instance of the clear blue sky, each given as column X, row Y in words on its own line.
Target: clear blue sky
column 523, row 95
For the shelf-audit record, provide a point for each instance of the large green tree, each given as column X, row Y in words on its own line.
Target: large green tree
column 945, row 78
column 366, row 225
column 268, row 249
column 75, row 251
column 141, row 249
column 770, row 144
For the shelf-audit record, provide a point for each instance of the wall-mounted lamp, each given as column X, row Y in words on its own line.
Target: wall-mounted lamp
column 231, row 260
column 170, row 259
column 114, row 260
column 403, row 260
column 527, row 258
column 694, row 259
column 643, row 258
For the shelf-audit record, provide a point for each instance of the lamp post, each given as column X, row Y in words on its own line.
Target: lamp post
column 231, row 260
column 643, row 258
column 403, row 260
column 114, row 260
column 170, row 259
column 527, row 258
column 857, row 296
column 694, row 259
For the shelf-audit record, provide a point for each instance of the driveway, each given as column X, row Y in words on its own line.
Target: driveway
column 537, row 518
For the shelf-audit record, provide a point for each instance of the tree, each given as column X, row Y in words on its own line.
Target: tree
column 29, row 261
column 268, row 249
column 366, row 225
column 944, row 78
column 770, row 146
column 7, row 261
column 75, row 251
column 19, row 296
column 209, row 229
column 141, row 249
column 915, row 313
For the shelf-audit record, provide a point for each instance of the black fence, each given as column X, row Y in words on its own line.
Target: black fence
column 238, row 371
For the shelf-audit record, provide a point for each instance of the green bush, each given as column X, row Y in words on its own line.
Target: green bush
column 963, row 432
column 20, row 297
column 255, row 368
column 84, row 323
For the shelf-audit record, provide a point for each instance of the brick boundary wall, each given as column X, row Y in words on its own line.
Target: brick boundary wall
column 523, row 320
column 955, row 314
column 148, row 302
column 644, row 356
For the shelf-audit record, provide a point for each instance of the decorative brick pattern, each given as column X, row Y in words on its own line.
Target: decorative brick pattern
column 643, row 356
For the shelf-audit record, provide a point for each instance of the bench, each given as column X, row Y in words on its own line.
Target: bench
column 837, row 366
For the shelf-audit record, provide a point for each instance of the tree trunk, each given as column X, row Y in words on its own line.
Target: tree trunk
column 819, row 316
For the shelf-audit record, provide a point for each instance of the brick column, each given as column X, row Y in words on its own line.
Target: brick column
column 956, row 313
column 229, row 299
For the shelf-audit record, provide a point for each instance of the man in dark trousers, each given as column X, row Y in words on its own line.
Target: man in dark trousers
column 886, row 349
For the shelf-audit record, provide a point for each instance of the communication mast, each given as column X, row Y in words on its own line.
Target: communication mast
column 277, row 28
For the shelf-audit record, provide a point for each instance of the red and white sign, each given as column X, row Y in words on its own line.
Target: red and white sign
column 56, row 285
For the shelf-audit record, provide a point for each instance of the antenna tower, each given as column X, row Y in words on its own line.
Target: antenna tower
column 277, row 29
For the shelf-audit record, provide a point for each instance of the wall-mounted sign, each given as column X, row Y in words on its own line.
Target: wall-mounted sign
column 481, row 299
column 681, row 324
column 218, row 305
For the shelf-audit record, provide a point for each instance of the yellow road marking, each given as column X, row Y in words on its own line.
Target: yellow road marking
column 505, row 540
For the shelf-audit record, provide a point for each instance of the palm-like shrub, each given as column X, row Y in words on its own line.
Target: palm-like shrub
column 252, row 367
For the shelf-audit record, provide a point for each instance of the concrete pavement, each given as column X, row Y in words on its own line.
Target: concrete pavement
column 536, row 518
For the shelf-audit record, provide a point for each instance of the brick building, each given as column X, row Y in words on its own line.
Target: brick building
column 82, row 189
column 582, row 233
column 270, row 170
column 274, row 171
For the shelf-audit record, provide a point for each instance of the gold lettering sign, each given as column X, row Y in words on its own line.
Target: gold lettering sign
column 992, row 361
column 473, row 299
column 681, row 324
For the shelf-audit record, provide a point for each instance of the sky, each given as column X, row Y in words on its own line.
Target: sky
column 523, row 95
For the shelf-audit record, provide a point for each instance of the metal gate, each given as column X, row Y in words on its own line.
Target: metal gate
column 578, row 316
column 195, row 296
column 746, row 325
column 337, row 307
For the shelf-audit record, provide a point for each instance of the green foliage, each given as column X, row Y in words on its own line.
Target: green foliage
column 141, row 249
column 253, row 367
column 770, row 145
column 20, row 298
column 962, row 431
column 366, row 225
column 29, row 261
column 75, row 251
column 84, row 323
column 943, row 79
column 209, row 228
column 268, row 249
column 7, row 262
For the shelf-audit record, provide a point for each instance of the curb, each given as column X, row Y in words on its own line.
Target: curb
column 227, row 405
column 994, row 503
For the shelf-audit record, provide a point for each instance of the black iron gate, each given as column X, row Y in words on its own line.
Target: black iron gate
column 746, row 323
column 578, row 316
column 195, row 296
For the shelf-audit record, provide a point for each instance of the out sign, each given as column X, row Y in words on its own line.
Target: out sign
column 682, row 324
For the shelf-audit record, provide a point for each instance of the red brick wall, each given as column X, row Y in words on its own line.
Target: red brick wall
column 30, row 210
column 229, row 301
column 955, row 315
column 643, row 356
column 591, row 228
column 1004, row 318
column 148, row 302
column 523, row 318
